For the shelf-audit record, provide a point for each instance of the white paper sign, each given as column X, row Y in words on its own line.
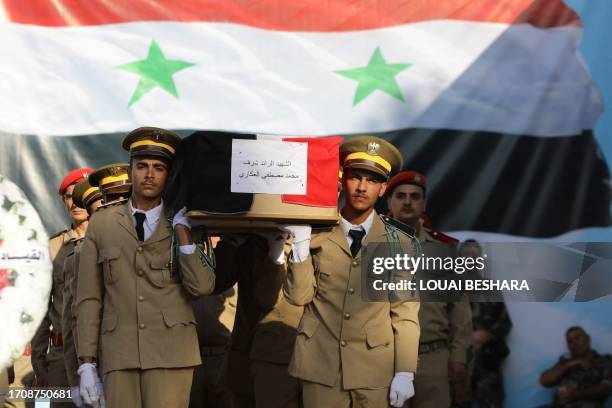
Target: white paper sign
column 270, row 167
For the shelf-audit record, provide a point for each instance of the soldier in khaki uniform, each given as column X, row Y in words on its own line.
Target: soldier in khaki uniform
column 446, row 327
column 109, row 181
column 213, row 337
column 350, row 352
column 89, row 198
column 114, row 183
column 264, row 331
column 47, row 353
column 134, row 289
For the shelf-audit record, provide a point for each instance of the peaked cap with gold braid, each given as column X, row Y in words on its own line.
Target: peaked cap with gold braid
column 84, row 194
column 371, row 153
column 152, row 141
column 112, row 179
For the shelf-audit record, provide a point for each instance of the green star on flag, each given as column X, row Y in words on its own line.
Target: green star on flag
column 377, row 75
column 154, row 71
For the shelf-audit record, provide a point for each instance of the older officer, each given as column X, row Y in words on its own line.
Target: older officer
column 47, row 353
column 87, row 197
column 446, row 327
column 350, row 352
column 133, row 291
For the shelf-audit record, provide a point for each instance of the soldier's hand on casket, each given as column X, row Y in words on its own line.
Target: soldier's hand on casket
column 90, row 391
column 300, row 245
column 402, row 389
column 276, row 244
column 181, row 218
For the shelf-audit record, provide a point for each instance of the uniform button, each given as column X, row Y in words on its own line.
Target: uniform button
column 343, row 343
column 354, row 263
column 351, row 291
column 140, row 298
column 139, row 249
column 141, row 325
column 140, row 272
column 347, row 316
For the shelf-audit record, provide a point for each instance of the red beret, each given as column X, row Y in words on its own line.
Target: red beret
column 407, row 177
column 74, row 176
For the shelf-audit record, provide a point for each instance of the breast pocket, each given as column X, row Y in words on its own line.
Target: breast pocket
column 160, row 272
column 109, row 259
column 323, row 273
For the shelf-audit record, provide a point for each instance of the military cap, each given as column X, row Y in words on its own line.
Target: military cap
column 113, row 178
column 85, row 194
column 73, row 177
column 371, row 153
column 407, row 177
column 151, row 141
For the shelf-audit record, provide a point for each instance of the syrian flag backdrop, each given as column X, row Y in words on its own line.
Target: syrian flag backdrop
column 489, row 98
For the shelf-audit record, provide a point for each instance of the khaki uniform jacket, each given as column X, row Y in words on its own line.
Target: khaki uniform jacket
column 69, row 314
column 265, row 324
column 60, row 245
column 367, row 342
column 447, row 321
column 130, row 308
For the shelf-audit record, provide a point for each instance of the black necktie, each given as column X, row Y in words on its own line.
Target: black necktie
column 357, row 235
column 140, row 217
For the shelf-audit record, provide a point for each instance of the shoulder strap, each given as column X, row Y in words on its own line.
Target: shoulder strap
column 403, row 228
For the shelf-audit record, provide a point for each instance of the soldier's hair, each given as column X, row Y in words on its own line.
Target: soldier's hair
column 574, row 328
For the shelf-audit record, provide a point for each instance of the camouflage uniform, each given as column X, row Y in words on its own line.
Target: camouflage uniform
column 487, row 383
column 576, row 377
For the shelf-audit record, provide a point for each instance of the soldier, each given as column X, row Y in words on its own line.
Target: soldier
column 134, row 289
column 584, row 377
column 492, row 324
column 47, row 344
column 213, row 338
column 350, row 352
column 264, row 331
column 114, row 183
column 446, row 327
column 89, row 198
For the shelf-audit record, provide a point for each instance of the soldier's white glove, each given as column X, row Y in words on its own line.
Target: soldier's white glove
column 181, row 218
column 276, row 245
column 88, row 386
column 300, row 246
column 76, row 397
column 401, row 389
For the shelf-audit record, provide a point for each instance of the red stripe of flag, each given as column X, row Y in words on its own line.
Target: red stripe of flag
column 322, row 168
column 290, row 15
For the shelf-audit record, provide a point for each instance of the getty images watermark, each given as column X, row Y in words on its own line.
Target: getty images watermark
column 438, row 272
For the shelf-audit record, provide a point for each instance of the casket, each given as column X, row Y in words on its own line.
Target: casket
column 233, row 182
